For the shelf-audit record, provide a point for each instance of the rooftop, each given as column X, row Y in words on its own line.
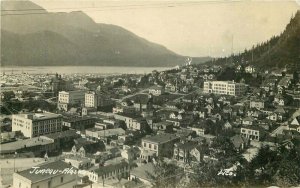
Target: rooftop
column 39, row 116
column 144, row 171
column 77, row 118
column 161, row 138
column 13, row 146
column 107, row 132
column 110, row 168
column 67, row 133
column 57, row 165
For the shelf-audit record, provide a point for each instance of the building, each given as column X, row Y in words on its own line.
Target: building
column 251, row 133
column 161, row 144
column 95, row 134
column 95, row 100
column 182, row 151
column 250, row 69
column 157, row 90
column 33, row 125
column 132, row 122
column 258, row 104
column 71, row 97
column 64, row 177
column 112, row 171
column 79, row 123
column 224, row 88
column 36, row 145
column 67, row 98
column 58, row 84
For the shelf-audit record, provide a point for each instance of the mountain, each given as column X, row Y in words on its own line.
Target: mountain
column 280, row 51
column 38, row 37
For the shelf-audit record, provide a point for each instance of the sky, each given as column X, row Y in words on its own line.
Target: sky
column 193, row 28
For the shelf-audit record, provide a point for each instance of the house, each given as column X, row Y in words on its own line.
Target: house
column 200, row 130
column 248, row 120
column 255, row 113
column 250, row 69
column 227, row 125
column 280, row 100
column 171, row 105
column 90, row 147
column 296, row 121
column 196, row 154
column 273, row 117
column 130, row 153
column 202, row 113
column 157, row 90
column 257, row 103
column 252, row 133
column 182, row 151
column 163, row 125
column 64, row 177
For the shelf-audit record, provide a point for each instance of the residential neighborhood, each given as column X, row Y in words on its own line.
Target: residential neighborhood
column 114, row 137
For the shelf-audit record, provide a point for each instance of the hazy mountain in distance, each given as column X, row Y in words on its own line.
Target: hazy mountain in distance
column 44, row 38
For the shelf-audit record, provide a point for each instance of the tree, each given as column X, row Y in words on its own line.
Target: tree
column 7, row 95
column 166, row 175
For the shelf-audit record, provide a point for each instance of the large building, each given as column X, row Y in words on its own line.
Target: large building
column 79, row 123
column 224, row 88
column 66, row 98
column 94, row 100
column 41, row 176
column 59, row 84
column 161, row 144
column 132, row 122
column 33, row 125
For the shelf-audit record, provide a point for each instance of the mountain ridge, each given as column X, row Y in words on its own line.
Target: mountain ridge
column 78, row 41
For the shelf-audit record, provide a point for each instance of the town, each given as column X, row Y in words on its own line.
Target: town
column 196, row 125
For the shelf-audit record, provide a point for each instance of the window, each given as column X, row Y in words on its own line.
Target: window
column 144, row 144
column 61, row 179
column 155, row 147
column 150, row 145
column 49, row 184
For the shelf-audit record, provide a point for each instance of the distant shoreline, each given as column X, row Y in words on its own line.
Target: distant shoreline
column 80, row 69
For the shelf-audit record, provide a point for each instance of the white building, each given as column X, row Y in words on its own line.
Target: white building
column 250, row 69
column 71, row 97
column 94, row 100
column 66, row 98
column 224, row 88
column 157, row 90
column 33, row 125
column 251, row 133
